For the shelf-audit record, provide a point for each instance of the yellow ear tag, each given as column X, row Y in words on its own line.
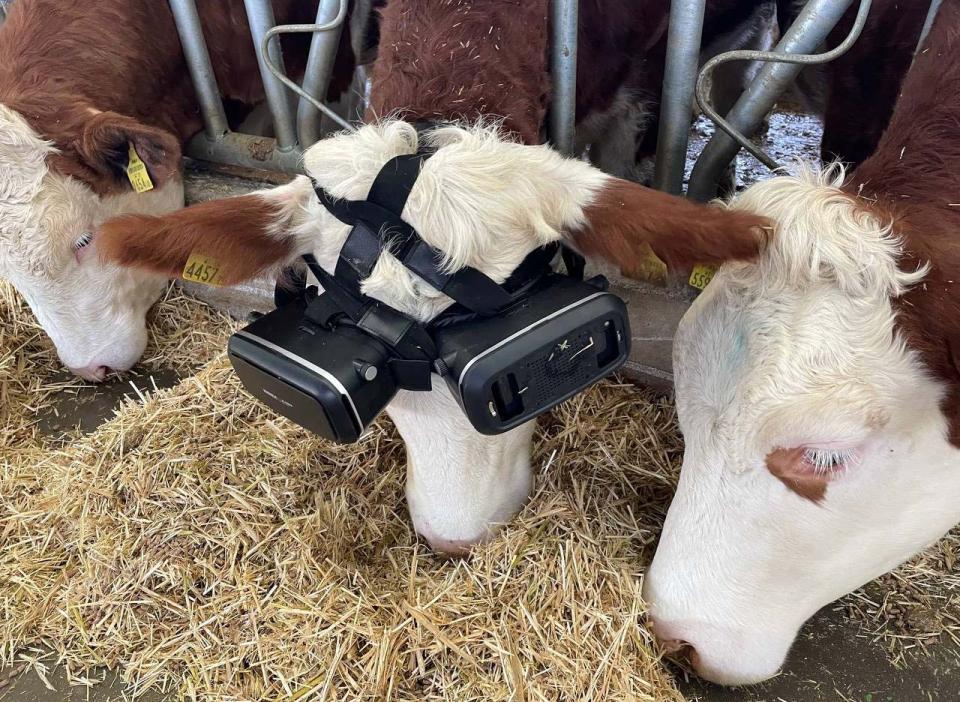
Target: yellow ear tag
column 701, row 276
column 652, row 269
column 137, row 172
column 202, row 269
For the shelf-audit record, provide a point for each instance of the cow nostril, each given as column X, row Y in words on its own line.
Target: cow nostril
column 451, row 548
column 94, row 374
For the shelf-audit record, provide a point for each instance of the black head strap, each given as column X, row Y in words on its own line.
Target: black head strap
column 377, row 224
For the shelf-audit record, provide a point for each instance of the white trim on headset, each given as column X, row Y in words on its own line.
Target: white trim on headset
column 309, row 366
column 523, row 331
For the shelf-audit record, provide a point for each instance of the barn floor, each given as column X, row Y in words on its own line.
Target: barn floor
column 834, row 659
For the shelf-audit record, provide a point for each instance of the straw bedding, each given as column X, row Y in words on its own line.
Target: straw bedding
column 200, row 543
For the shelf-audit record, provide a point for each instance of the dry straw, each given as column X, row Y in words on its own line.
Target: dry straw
column 200, row 543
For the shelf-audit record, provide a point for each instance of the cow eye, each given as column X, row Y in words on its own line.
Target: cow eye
column 84, row 240
column 828, row 461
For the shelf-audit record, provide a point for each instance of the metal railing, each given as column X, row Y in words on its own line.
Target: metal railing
column 782, row 65
column 218, row 143
column 684, row 36
column 298, row 126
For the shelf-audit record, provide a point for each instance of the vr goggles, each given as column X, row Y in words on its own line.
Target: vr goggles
column 332, row 361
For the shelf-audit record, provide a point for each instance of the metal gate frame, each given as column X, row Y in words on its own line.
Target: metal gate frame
column 682, row 83
column 218, row 144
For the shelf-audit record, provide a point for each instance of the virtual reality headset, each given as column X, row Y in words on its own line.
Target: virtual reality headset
column 332, row 361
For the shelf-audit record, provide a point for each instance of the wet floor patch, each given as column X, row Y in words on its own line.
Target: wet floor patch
column 85, row 407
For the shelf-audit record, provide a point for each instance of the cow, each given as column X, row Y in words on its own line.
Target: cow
column 82, row 87
column 855, row 94
column 486, row 202
column 476, row 71
column 818, row 391
column 621, row 57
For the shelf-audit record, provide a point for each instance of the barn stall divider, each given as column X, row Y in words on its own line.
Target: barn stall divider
column 300, row 122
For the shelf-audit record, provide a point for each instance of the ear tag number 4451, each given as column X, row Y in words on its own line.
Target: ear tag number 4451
column 137, row 172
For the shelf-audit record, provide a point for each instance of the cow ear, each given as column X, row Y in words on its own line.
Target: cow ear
column 239, row 237
column 624, row 218
column 104, row 144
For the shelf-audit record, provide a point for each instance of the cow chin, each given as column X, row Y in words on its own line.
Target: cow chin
column 462, row 486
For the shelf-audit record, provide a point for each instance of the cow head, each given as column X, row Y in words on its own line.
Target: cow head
column 817, row 448
column 483, row 201
column 55, row 189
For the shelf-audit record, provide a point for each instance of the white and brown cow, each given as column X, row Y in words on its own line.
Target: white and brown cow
column 80, row 82
column 818, row 390
column 484, row 201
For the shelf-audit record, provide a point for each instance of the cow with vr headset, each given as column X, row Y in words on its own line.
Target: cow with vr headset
column 438, row 301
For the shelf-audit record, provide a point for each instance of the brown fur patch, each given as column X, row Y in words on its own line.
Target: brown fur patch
column 808, row 486
column 235, row 232
column 60, row 59
column 625, row 217
column 467, row 59
column 463, row 61
column 914, row 177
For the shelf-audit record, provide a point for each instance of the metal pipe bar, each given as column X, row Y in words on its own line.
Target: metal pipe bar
column 676, row 101
column 187, row 19
column 280, row 75
column 563, row 70
column 927, row 24
column 316, row 78
column 260, row 17
column 245, row 151
column 815, row 22
column 767, row 56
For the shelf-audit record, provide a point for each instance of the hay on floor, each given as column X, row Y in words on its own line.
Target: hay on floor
column 184, row 334
column 200, row 543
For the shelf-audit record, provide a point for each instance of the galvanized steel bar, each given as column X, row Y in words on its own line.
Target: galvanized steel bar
column 316, row 78
column 810, row 29
column 676, row 100
column 767, row 56
column 279, row 74
column 260, row 17
column 201, row 70
column 563, row 70
column 928, row 23
column 246, row 151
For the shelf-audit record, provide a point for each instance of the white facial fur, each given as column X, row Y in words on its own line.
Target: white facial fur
column 486, row 203
column 94, row 314
column 798, row 349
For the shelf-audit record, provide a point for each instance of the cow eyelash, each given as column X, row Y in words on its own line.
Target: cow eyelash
column 825, row 461
column 84, row 240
